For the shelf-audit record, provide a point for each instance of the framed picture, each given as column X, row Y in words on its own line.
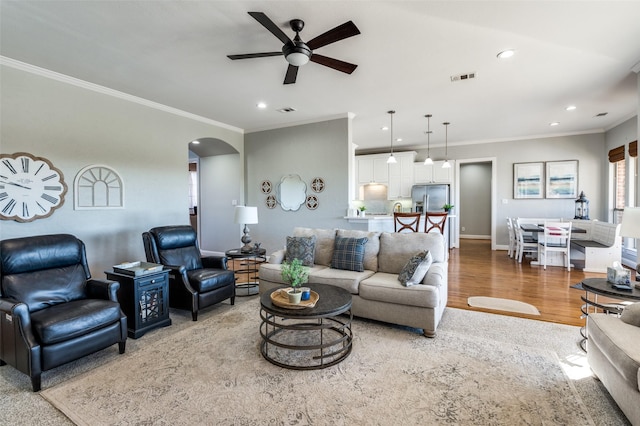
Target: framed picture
column 527, row 180
column 562, row 179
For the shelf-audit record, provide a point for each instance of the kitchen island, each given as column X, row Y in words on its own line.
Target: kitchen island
column 384, row 223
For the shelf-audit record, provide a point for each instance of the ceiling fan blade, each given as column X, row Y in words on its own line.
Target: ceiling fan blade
column 254, row 55
column 346, row 30
column 269, row 24
column 292, row 73
column 336, row 64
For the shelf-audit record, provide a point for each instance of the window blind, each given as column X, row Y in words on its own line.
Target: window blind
column 633, row 149
column 616, row 154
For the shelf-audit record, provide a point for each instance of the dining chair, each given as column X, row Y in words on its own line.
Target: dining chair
column 435, row 220
column 556, row 237
column 511, row 252
column 525, row 243
column 406, row 222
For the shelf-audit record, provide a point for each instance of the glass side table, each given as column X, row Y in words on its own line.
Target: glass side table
column 247, row 274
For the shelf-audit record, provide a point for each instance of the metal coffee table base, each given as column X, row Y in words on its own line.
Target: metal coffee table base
column 305, row 344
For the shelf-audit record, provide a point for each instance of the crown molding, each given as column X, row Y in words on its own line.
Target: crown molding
column 23, row 66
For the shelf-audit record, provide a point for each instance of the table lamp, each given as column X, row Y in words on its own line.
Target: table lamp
column 246, row 215
column 630, row 228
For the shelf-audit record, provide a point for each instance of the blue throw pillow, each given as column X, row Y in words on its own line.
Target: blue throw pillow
column 302, row 248
column 348, row 254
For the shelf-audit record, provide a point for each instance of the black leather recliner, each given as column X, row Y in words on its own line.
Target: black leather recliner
column 195, row 282
column 52, row 310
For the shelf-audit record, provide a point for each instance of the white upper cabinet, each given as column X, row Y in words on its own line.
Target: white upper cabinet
column 432, row 173
column 401, row 176
column 372, row 169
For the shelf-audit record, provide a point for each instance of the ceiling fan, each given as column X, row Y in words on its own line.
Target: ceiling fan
column 297, row 52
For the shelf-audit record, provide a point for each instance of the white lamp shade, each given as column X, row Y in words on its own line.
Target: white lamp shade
column 246, row 215
column 630, row 222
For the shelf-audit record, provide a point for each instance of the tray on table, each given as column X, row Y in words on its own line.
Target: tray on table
column 281, row 298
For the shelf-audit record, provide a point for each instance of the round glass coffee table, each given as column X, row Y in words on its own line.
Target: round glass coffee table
column 308, row 338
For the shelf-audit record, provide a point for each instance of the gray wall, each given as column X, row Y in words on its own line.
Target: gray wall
column 310, row 150
column 74, row 127
column 474, row 210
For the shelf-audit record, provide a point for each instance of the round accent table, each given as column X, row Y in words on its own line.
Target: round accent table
column 308, row 338
column 594, row 287
column 247, row 274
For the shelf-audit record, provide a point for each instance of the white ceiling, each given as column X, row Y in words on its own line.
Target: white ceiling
column 174, row 53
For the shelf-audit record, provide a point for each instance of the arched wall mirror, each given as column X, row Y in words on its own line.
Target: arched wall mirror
column 291, row 192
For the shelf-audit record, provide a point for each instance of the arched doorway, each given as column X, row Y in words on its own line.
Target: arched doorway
column 219, row 186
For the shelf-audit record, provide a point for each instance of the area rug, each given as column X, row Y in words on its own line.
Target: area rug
column 498, row 304
column 213, row 373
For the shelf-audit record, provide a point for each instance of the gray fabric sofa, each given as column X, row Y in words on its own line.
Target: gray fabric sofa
column 377, row 293
column 613, row 353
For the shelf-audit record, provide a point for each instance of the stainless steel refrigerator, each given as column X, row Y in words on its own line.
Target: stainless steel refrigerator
column 429, row 198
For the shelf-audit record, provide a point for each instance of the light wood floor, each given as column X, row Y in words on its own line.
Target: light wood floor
column 475, row 270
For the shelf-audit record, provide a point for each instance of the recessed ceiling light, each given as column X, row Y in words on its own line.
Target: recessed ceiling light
column 555, row 123
column 384, row 128
column 399, row 140
column 571, row 108
column 505, row 54
column 195, row 142
column 261, row 105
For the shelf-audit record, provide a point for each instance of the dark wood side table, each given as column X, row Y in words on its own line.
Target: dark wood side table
column 144, row 299
column 249, row 265
column 594, row 287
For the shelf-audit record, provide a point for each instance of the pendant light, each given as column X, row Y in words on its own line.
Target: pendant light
column 446, row 164
column 391, row 159
column 428, row 161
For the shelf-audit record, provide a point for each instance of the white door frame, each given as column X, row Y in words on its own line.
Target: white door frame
column 494, row 192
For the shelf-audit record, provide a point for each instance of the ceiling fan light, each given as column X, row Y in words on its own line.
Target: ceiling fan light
column 391, row 159
column 428, row 161
column 297, row 59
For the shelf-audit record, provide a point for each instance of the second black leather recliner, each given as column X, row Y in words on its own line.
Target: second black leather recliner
column 195, row 282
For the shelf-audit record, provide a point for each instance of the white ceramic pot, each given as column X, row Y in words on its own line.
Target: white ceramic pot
column 294, row 296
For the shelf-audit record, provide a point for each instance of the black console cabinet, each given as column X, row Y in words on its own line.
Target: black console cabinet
column 144, row 299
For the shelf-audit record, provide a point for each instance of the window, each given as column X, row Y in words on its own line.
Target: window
column 193, row 188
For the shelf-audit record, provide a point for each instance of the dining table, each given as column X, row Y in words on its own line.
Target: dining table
column 554, row 259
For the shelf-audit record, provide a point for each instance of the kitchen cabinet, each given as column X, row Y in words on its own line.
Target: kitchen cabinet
column 401, row 175
column 372, row 169
column 432, row 173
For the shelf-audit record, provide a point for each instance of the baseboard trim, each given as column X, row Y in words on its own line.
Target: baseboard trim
column 475, row 237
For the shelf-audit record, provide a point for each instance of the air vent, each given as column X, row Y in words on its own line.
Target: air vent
column 286, row 109
column 466, row 76
column 602, row 114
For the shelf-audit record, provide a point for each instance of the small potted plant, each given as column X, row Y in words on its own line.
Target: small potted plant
column 362, row 209
column 447, row 207
column 295, row 274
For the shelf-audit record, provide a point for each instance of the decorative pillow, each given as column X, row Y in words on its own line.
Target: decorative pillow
column 631, row 314
column 348, row 254
column 302, row 248
column 416, row 268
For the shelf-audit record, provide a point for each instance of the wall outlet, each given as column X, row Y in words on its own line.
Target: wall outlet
column 463, row 229
column 234, row 202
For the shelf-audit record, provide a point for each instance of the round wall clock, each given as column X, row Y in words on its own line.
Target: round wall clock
column 30, row 187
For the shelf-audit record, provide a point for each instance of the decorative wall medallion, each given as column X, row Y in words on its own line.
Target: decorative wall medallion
column 30, row 187
column 312, row 202
column 266, row 187
column 317, row 184
column 271, row 201
column 98, row 187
